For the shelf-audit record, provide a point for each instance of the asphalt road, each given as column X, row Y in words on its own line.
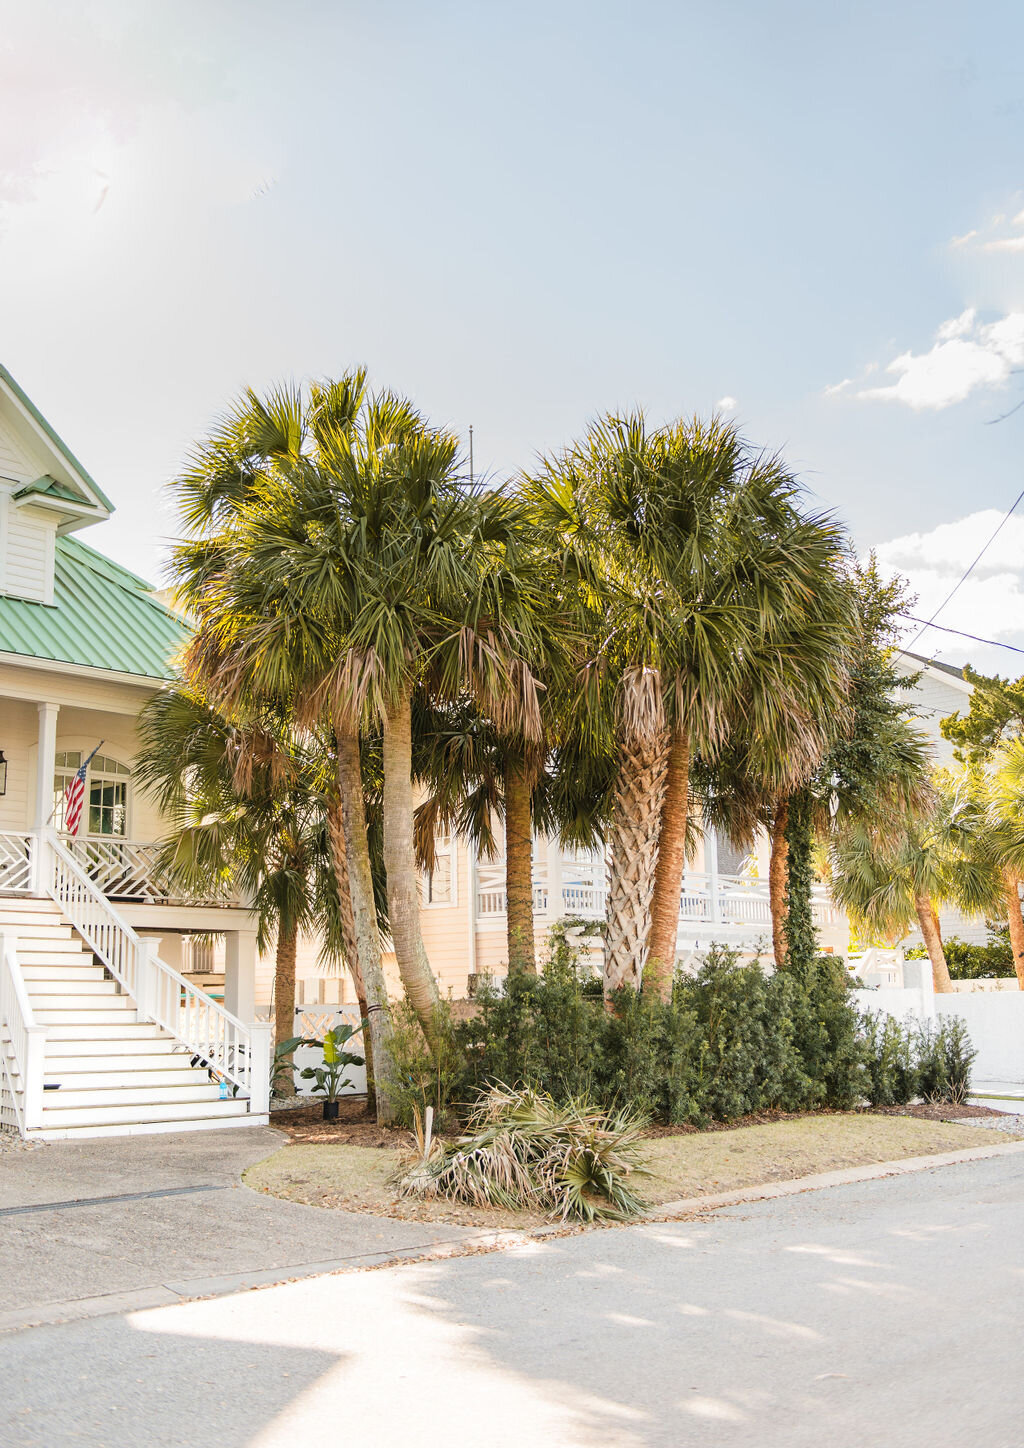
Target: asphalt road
column 887, row 1313
column 151, row 1219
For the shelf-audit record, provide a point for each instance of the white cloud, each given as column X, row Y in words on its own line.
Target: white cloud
column 966, row 355
column 726, row 404
column 989, row 604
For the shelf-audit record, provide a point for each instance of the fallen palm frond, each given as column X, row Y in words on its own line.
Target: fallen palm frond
column 524, row 1152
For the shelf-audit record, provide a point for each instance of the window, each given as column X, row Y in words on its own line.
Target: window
column 438, row 885
column 106, row 792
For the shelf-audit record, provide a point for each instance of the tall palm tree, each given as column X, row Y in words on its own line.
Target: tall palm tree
column 719, row 605
column 248, row 646
column 359, row 568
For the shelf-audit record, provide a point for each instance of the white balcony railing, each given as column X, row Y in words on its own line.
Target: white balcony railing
column 734, row 903
column 130, row 870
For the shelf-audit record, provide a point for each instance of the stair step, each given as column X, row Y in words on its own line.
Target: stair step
column 43, row 930
column 161, row 1111
column 106, row 1036
column 67, row 1099
column 82, row 1011
column 60, row 952
column 62, row 972
column 85, row 1073
column 78, row 989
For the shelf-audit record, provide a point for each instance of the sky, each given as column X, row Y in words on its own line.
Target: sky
column 525, row 214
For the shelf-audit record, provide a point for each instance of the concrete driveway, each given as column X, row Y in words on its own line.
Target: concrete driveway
column 887, row 1312
column 127, row 1222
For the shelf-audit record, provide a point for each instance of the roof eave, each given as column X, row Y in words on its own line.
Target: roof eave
column 36, row 419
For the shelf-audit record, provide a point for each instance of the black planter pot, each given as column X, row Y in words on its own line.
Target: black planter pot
column 331, row 1110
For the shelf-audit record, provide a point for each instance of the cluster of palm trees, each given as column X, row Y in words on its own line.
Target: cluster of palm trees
column 383, row 650
column 963, row 849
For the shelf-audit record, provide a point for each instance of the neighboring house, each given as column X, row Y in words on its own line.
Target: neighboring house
column 941, row 690
column 100, row 1033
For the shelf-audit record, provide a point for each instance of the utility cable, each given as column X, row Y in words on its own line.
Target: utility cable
column 964, row 577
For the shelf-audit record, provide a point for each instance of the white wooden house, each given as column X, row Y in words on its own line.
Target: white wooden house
column 100, row 1032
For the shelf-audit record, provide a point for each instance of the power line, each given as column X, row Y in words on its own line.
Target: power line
column 960, row 634
column 964, row 577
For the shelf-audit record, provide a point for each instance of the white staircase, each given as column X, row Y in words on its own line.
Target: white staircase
column 105, row 1072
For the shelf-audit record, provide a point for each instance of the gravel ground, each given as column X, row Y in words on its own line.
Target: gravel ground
column 1002, row 1122
column 11, row 1141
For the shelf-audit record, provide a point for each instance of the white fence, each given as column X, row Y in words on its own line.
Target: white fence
column 994, row 1019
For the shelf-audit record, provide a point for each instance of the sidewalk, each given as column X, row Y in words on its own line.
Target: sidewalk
column 145, row 1220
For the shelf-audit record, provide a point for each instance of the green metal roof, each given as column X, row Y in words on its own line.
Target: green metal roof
column 57, row 441
column 48, row 487
column 102, row 617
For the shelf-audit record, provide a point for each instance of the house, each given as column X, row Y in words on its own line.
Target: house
column 101, row 1032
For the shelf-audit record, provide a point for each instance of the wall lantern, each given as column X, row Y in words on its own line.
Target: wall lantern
column 3, row 773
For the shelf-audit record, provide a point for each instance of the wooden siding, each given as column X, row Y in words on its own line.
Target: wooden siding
column 28, row 556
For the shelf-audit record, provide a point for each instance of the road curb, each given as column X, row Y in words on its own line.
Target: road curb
column 167, row 1294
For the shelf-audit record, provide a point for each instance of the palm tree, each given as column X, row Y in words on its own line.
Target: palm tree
column 359, row 568
column 719, row 605
column 476, row 777
column 248, row 646
column 901, row 868
column 997, row 788
column 238, row 797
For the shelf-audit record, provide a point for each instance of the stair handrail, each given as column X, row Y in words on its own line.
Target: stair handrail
column 26, row 1036
column 217, row 1039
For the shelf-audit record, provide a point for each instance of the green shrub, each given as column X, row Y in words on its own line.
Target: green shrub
column 972, row 962
column 731, row 1041
column 945, row 1056
column 423, row 1078
column 892, row 1077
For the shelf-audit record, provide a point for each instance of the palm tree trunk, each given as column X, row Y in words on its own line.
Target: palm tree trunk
column 400, row 864
column 929, row 922
column 1011, row 894
column 668, row 874
column 364, row 914
column 636, row 816
column 522, row 952
column 284, row 983
column 777, row 882
column 346, row 919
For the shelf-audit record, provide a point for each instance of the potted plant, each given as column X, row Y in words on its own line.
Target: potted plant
column 329, row 1076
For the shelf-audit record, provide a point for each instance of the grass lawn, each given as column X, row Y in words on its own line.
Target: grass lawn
column 355, row 1178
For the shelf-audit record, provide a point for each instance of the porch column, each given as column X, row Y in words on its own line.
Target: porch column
column 240, row 974
column 711, row 866
column 46, row 764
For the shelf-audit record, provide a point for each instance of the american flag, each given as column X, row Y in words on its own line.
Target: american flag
column 74, row 798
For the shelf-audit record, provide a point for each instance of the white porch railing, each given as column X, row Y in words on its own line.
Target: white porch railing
column 218, row 1039
column 578, row 890
column 708, row 901
column 130, row 870
column 739, row 900
column 15, row 863
column 22, row 1046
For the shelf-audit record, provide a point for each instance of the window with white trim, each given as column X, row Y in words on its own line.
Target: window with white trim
column 437, row 886
column 106, row 793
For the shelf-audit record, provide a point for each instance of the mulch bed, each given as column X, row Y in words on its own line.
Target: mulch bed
column 356, row 1126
